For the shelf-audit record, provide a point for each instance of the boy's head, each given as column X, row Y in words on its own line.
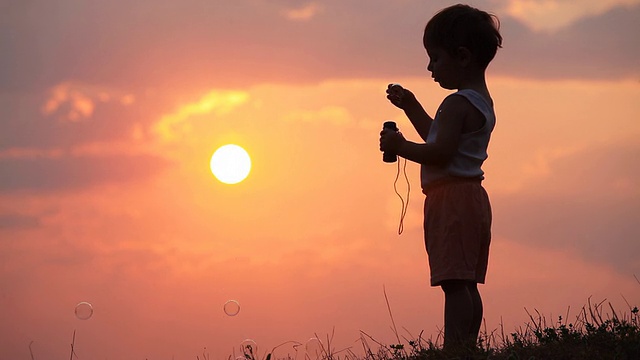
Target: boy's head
column 467, row 27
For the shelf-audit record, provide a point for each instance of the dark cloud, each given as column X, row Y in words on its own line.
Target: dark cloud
column 72, row 173
column 598, row 47
column 589, row 205
column 17, row 221
column 210, row 43
column 22, row 124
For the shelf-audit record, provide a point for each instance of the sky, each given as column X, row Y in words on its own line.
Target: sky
column 111, row 111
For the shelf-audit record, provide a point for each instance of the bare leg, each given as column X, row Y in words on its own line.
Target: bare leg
column 477, row 312
column 458, row 314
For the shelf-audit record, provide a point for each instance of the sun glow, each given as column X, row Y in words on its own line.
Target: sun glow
column 230, row 164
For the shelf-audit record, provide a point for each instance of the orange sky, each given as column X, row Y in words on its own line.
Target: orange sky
column 106, row 195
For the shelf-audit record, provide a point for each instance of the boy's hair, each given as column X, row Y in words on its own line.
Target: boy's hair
column 465, row 26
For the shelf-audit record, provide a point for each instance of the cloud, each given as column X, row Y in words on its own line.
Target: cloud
column 597, row 47
column 65, row 116
column 304, row 13
column 75, row 173
column 551, row 15
column 81, row 106
column 75, row 102
column 193, row 44
column 586, row 203
column 172, row 125
column 12, row 221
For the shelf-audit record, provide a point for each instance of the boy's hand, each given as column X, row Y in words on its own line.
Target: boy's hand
column 391, row 140
column 400, row 96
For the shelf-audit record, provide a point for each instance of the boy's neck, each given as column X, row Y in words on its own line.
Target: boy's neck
column 478, row 83
column 475, row 81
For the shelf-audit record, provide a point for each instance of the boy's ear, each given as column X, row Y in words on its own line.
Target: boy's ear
column 464, row 55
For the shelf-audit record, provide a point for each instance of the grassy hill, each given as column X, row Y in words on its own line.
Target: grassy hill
column 598, row 333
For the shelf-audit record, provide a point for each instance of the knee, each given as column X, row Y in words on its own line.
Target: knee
column 452, row 286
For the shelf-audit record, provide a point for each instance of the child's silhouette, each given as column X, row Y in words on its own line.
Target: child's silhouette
column 460, row 42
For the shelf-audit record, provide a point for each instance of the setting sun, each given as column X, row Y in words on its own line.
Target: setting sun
column 230, row 164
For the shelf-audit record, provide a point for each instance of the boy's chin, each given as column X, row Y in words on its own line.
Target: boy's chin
column 447, row 86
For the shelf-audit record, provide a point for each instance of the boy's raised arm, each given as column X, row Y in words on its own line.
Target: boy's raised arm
column 455, row 110
column 406, row 100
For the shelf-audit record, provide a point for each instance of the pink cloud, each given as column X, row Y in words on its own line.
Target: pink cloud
column 303, row 13
column 196, row 45
column 583, row 204
column 75, row 173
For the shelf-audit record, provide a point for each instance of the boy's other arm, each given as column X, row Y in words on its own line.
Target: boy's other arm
column 452, row 116
column 419, row 118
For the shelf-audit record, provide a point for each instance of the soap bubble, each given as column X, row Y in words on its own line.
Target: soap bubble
column 231, row 308
column 249, row 348
column 313, row 347
column 84, row 310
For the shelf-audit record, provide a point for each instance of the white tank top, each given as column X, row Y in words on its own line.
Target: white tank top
column 472, row 150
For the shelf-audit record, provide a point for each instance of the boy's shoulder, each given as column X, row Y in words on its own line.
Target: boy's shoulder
column 455, row 104
column 475, row 95
column 468, row 108
column 470, row 98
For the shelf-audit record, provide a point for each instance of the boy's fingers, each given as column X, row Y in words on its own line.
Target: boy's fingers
column 396, row 92
column 394, row 88
column 383, row 144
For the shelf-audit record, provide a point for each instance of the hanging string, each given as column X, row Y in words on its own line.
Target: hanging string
column 405, row 204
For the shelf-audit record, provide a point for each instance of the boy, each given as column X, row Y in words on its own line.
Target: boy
column 460, row 41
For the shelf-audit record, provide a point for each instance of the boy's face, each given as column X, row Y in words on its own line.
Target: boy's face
column 444, row 68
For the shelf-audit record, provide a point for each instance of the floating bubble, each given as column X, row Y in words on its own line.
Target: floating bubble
column 84, row 310
column 231, row 308
column 313, row 347
column 249, row 349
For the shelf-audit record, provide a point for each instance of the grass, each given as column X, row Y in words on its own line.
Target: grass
column 597, row 333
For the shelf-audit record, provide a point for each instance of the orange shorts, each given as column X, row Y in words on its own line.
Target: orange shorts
column 457, row 231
